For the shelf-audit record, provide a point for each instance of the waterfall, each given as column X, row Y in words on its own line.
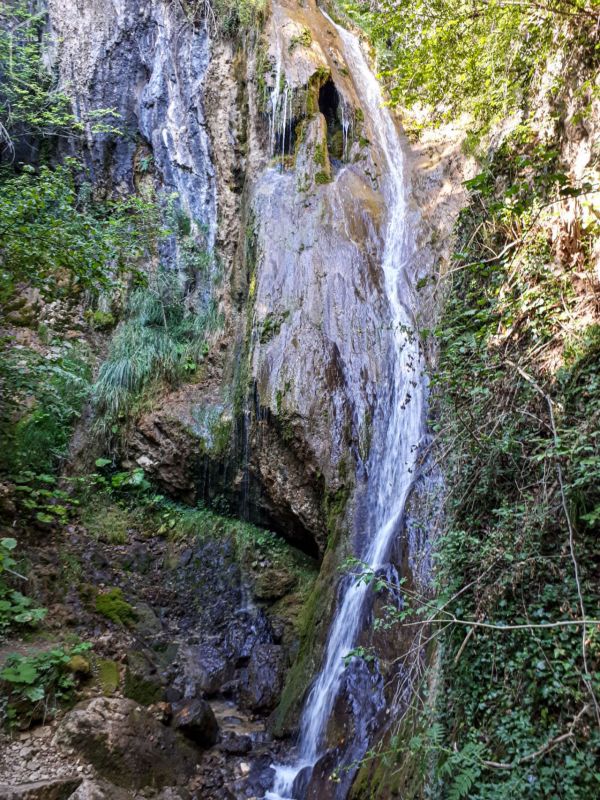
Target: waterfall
column 398, row 432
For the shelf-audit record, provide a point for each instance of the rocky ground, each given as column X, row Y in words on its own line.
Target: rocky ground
column 174, row 704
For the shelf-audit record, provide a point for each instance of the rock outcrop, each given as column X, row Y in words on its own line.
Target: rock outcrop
column 283, row 180
column 126, row 744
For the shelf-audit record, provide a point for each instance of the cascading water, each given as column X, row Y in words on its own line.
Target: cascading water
column 398, row 433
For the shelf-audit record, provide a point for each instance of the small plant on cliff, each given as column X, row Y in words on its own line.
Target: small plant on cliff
column 228, row 17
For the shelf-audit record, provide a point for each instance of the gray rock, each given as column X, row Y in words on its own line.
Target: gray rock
column 264, row 681
column 236, row 744
column 196, row 720
column 205, row 668
column 57, row 789
column 100, row 790
column 126, row 744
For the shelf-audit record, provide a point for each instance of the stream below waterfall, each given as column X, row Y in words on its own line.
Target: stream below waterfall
column 399, row 430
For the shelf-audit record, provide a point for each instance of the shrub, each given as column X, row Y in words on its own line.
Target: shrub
column 43, row 397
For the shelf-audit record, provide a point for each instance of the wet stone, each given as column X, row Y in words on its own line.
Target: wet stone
column 196, row 720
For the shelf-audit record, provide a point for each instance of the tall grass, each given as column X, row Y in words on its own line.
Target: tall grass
column 161, row 341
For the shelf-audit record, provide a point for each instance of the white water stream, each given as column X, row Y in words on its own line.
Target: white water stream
column 400, row 426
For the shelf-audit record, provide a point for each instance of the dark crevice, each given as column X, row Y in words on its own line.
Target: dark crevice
column 330, row 107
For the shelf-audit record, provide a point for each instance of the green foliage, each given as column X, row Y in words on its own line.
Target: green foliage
column 112, row 606
column 322, row 178
column 271, row 326
column 515, row 471
column 227, row 17
column 43, row 397
column 36, row 684
column 56, row 240
column 236, row 16
column 302, row 39
column 31, row 105
column 160, row 341
column 468, row 55
column 15, row 608
column 101, row 320
column 106, row 520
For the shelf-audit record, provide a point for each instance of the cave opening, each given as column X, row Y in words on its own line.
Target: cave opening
column 330, row 107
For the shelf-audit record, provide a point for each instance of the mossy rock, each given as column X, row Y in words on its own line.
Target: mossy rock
column 112, row 606
column 108, row 676
column 273, row 584
column 322, row 178
column 316, row 610
column 142, row 682
column 79, row 665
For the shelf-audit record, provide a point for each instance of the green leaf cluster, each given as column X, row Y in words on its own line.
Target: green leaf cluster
column 475, row 56
column 55, row 239
column 518, row 415
column 15, row 608
column 36, row 684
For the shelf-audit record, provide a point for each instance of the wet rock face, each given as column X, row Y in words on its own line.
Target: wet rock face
column 126, row 744
column 264, row 682
column 148, row 63
column 300, row 240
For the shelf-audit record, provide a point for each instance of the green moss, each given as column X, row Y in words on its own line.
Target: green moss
column 322, row 177
column 112, row 606
column 141, row 684
column 313, row 614
column 108, row 676
column 403, row 775
column 334, row 505
column 221, row 434
column 320, row 154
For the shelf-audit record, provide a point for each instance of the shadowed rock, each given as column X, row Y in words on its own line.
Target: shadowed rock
column 126, row 744
column 196, row 720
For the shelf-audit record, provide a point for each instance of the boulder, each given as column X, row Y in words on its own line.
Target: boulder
column 273, row 584
column 235, row 744
column 196, row 720
column 205, row 669
column 264, row 682
column 100, row 790
column 126, row 744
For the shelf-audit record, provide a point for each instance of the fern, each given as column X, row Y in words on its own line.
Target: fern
column 461, row 786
